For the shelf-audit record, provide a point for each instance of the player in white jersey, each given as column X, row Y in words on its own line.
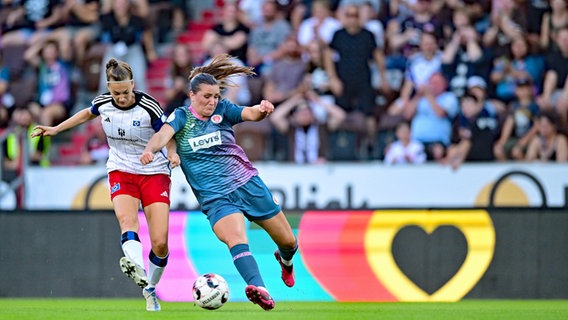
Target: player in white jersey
column 129, row 119
column 221, row 176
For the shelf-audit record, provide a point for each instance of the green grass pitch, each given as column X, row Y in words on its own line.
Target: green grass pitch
column 99, row 309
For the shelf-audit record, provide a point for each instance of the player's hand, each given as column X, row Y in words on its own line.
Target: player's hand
column 146, row 157
column 266, row 107
column 174, row 159
column 43, row 131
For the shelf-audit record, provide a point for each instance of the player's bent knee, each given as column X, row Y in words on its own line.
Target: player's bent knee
column 160, row 247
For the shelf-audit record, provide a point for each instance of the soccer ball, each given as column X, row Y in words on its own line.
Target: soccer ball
column 210, row 291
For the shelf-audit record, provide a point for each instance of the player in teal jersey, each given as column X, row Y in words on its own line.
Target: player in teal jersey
column 224, row 181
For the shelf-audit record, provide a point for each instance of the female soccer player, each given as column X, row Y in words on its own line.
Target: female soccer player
column 223, row 180
column 129, row 119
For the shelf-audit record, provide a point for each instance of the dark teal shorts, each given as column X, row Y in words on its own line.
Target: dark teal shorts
column 253, row 199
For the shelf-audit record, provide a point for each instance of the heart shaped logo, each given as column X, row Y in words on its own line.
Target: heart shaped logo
column 476, row 226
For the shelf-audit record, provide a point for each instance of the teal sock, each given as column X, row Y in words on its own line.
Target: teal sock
column 246, row 264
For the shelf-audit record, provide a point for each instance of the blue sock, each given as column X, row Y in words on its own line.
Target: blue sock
column 287, row 254
column 129, row 235
column 246, row 265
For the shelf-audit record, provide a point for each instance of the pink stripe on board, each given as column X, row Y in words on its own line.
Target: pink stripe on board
column 177, row 281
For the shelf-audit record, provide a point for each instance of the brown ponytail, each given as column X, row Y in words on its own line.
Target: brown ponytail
column 217, row 72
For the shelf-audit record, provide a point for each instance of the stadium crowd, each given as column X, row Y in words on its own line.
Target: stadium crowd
column 399, row 81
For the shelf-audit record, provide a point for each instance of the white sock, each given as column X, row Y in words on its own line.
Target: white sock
column 133, row 249
column 287, row 263
column 154, row 274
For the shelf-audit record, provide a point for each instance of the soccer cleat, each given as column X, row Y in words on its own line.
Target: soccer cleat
column 260, row 296
column 287, row 271
column 134, row 272
column 152, row 303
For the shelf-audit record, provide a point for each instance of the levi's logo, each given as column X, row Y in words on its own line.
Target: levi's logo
column 205, row 141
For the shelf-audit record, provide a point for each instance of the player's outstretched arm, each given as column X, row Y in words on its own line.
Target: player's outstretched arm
column 156, row 143
column 77, row 119
column 258, row 112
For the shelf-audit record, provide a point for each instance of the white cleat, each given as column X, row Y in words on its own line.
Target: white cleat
column 134, row 271
column 152, row 303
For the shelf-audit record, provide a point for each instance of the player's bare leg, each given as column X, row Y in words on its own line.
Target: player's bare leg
column 281, row 233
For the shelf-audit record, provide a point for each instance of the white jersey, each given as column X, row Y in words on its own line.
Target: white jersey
column 129, row 130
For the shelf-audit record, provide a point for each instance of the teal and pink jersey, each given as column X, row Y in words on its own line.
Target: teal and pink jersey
column 211, row 160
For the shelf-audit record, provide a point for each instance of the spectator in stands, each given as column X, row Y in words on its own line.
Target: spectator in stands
column 284, row 80
column 555, row 87
column 477, row 86
column 518, row 64
column 507, row 23
column 306, row 116
column 320, row 26
column 31, row 22
column 479, row 12
column 129, row 38
column 477, row 132
column 286, row 73
column 552, row 21
column 177, row 81
column 405, row 150
column 421, row 66
column 519, row 127
column 464, row 57
column 230, row 32
column 403, row 36
column 369, row 12
column 81, row 29
column 315, row 69
column 460, row 17
column 347, row 64
column 376, row 5
column 298, row 11
column 53, row 101
column 293, row 11
column 534, row 11
column 431, row 113
column 550, row 144
column 265, row 39
column 264, row 45
column 22, row 122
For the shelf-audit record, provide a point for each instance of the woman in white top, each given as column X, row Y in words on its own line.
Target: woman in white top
column 405, row 150
column 129, row 119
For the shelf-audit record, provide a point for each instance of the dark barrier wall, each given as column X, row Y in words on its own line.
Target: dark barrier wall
column 530, row 258
column 76, row 254
column 62, row 255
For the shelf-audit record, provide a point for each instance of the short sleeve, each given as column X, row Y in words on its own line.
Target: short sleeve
column 232, row 112
column 177, row 119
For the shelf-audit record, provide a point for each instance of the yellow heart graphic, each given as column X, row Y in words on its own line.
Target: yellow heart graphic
column 476, row 226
